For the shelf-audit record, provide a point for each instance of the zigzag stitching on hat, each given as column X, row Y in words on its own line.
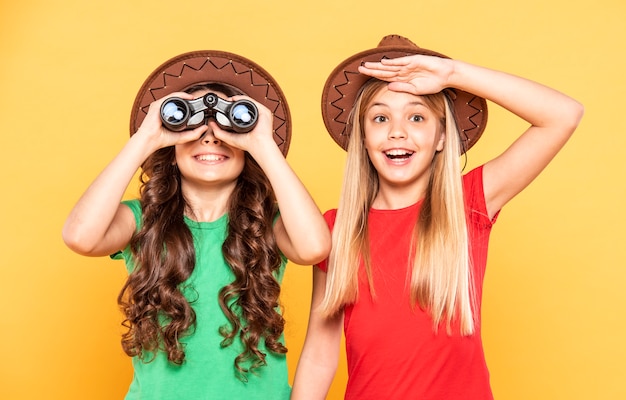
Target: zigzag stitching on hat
column 252, row 83
column 267, row 92
column 478, row 111
column 165, row 75
column 341, row 96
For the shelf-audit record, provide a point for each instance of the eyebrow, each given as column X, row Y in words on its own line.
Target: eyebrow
column 412, row 103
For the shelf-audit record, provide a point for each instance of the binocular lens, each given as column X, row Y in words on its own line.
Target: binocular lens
column 242, row 114
column 174, row 112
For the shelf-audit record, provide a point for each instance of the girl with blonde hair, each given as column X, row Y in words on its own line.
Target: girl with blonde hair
column 405, row 274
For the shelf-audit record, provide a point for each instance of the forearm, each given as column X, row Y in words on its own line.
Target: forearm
column 93, row 214
column 303, row 223
column 540, row 105
column 320, row 355
column 552, row 115
column 313, row 379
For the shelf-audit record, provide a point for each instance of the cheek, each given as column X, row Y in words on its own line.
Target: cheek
column 369, row 146
column 177, row 154
column 241, row 162
column 240, row 167
column 372, row 134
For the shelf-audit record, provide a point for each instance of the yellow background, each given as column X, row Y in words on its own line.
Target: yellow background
column 555, row 296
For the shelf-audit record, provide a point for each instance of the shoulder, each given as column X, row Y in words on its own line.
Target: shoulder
column 473, row 179
column 135, row 207
column 473, row 189
column 474, row 194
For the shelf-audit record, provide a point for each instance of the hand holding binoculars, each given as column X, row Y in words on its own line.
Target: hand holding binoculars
column 238, row 116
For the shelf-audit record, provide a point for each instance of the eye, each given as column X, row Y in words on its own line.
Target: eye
column 416, row 118
column 380, row 118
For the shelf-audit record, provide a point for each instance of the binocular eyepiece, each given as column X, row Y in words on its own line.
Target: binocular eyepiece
column 238, row 116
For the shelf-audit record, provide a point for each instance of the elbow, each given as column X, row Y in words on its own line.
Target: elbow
column 76, row 241
column 319, row 250
column 566, row 121
column 579, row 111
column 314, row 252
column 576, row 112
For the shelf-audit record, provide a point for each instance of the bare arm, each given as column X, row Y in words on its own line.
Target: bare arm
column 301, row 232
column 552, row 116
column 99, row 225
column 320, row 355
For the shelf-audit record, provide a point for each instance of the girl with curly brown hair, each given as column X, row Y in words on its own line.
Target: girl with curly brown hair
column 207, row 242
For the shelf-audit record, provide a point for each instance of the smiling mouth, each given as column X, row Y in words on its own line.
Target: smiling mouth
column 399, row 154
column 210, row 157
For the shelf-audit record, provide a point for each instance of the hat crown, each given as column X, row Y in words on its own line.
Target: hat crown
column 396, row 41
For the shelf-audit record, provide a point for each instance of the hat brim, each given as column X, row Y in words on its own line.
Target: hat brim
column 344, row 83
column 210, row 66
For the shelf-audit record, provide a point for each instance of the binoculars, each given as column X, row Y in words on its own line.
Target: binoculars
column 238, row 116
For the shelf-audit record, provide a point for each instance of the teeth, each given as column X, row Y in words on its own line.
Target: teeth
column 398, row 153
column 209, row 157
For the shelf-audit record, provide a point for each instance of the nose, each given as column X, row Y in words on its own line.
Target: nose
column 208, row 138
column 396, row 131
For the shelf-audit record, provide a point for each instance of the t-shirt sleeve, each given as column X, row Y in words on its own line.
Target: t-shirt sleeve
column 329, row 216
column 478, row 223
column 475, row 198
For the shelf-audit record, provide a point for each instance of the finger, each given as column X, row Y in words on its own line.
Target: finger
column 190, row 135
column 378, row 73
column 379, row 66
column 182, row 95
column 220, row 133
column 239, row 97
column 157, row 103
column 400, row 61
column 199, row 131
column 402, row 87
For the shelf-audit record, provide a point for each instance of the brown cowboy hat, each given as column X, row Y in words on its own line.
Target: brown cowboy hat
column 343, row 85
column 206, row 66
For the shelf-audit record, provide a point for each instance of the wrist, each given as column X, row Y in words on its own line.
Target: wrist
column 264, row 151
column 143, row 144
column 453, row 77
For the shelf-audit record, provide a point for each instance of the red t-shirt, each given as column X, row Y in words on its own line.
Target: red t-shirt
column 392, row 349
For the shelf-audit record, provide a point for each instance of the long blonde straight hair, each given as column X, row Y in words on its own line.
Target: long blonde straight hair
column 440, row 274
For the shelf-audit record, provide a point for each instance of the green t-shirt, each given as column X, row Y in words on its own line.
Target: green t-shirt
column 208, row 370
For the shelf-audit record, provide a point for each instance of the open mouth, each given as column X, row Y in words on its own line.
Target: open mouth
column 210, row 157
column 398, row 154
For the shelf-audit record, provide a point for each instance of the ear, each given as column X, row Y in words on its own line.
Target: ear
column 442, row 141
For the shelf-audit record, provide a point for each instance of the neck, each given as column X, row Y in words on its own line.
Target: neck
column 394, row 197
column 207, row 204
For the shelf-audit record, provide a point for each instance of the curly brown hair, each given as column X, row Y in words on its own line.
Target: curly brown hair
column 157, row 314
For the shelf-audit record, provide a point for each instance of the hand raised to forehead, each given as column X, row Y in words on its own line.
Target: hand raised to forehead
column 416, row 74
